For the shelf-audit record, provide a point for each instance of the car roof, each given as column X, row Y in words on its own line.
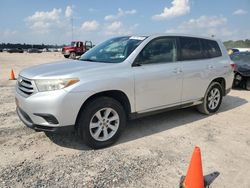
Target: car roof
column 179, row 35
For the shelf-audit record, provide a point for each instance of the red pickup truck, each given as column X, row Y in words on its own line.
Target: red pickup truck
column 76, row 48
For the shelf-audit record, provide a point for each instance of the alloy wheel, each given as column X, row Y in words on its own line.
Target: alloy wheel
column 104, row 124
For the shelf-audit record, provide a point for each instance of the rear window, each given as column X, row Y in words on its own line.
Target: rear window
column 211, row 48
column 190, row 48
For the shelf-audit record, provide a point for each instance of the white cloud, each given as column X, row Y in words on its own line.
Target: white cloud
column 119, row 14
column 90, row 25
column 240, row 12
column 204, row 22
column 45, row 16
column 179, row 8
column 68, row 12
column 114, row 26
column 42, row 21
column 118, row 28
column 205, row 25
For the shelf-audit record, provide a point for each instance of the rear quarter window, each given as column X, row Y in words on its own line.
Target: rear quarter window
column 190, row 48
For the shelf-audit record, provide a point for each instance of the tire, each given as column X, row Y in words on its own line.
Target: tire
column 66, row 56
column 248, row 84
column 72, row 55
column 93, row 126
column 211, row 104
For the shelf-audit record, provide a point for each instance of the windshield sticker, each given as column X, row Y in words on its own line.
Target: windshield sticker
column 137, row 38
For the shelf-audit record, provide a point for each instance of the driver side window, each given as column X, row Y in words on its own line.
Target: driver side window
column 160, row 50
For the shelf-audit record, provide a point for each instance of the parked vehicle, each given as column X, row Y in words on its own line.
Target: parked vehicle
column 232, row 51
column 15, row 50
column 76, row 48
column 5, row 50
column 1, row 50
column 242, row 70
column 34, row 50
column 241, row 49
column 45, row 50
column 124, row 78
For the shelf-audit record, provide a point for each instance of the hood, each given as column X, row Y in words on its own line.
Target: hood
column 64, row 69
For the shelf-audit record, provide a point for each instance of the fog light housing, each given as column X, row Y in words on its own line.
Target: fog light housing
column 48, row 117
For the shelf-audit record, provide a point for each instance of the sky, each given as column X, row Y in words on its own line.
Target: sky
column 50, row 22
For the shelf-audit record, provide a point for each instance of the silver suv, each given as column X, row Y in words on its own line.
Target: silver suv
column 122, row 78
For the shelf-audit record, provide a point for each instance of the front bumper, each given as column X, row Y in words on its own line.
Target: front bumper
column 48, row 111
column 66, row 52
column 23, row 116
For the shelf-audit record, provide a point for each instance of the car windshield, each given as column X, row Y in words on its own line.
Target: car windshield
column 241, row 57
column 114, row 50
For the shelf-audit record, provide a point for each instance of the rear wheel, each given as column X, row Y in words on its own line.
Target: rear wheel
column 212, row 99
column 237, row 80
column 101, row 122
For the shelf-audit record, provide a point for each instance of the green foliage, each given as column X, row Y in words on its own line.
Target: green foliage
column 237, row 44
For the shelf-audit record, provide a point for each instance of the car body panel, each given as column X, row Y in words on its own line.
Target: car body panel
column 157, row 85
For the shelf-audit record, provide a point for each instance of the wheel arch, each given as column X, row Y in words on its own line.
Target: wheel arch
column 222, row 82
column 118, row 95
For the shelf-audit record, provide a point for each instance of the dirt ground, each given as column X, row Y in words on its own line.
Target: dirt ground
column 153, row 151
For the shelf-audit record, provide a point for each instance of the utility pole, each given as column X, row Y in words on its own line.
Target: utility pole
column 72, row 29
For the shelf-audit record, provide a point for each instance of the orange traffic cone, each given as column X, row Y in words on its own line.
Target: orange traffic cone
column 12, row 75
column 194, row 177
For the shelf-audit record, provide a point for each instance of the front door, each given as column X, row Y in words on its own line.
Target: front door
column 158, row 75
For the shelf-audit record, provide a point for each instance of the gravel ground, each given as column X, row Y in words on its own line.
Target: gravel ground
column 153, row 151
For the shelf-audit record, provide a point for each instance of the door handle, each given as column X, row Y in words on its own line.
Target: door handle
column 177, row 71
column 210, row 67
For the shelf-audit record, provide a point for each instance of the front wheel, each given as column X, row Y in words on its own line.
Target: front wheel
column 212, row 99
column 72, row 55
column 101, row 122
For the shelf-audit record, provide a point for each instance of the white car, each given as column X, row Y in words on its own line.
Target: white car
column 121, row 78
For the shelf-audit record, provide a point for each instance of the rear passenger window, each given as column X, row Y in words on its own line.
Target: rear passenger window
column 190, row 48
column 211, row 48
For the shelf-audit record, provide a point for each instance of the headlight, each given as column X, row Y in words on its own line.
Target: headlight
column 54, row 84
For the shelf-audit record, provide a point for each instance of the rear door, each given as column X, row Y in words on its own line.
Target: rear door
column 219, row 64
column 158, row 77
column 197, row 70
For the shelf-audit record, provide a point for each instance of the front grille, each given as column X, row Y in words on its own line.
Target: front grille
column 25, row 86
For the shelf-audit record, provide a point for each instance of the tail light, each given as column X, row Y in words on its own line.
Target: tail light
column 233, row 66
